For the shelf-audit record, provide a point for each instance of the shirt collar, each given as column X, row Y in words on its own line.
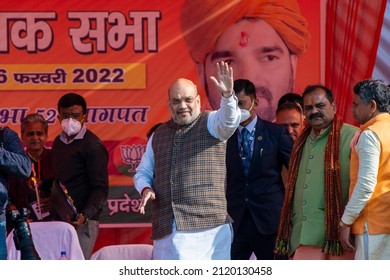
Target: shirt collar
column 80, row 135
column 250, row 126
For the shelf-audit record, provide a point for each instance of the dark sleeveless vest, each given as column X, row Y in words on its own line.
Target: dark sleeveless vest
column 190, row 178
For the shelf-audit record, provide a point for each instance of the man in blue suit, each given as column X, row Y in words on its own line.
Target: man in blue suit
column 255, row 196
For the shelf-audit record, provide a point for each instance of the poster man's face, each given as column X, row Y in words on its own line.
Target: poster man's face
column 257, row 53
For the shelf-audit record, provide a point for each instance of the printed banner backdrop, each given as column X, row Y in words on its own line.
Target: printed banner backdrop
column 121, row 56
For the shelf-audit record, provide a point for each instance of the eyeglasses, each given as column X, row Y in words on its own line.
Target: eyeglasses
column 187, row 100
column 75, row 116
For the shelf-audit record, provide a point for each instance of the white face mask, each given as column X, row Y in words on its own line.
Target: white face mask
column 246, row 114
column 71, row 126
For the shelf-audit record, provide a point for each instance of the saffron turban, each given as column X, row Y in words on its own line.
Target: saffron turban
column 203, row 21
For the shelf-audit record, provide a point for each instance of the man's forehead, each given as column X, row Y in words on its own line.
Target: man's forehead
column 73, row 109
column 357, row 98
column 246, row 32
column 316, row 97
column 248, row 40
column 290, row 114
column 182, row 92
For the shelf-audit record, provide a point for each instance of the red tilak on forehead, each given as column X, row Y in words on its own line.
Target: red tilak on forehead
column 244, row 39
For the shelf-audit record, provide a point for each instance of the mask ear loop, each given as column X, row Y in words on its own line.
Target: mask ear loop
column 250, row 109
column 83, row 119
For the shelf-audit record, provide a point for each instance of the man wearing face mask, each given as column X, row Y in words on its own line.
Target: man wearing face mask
column 255, row 155
column 80, row 161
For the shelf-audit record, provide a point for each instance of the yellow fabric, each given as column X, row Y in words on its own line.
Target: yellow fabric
column 377, row 211
column 203, row 21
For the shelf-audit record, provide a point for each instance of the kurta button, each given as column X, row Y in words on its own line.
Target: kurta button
column 304, row 202
column 305, row 186
column 308, row 171
column 303, row 218
column 311, row 156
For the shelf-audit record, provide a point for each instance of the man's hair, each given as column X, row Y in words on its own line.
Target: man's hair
column 71, row 99
column 292, row 98
column 203, row 22
column 33, row 118
column 376, row 90
column 245, row 85
column 311, row 88
column 289, row 106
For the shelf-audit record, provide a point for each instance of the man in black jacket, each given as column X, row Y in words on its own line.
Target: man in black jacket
column 80, row 161
column 255, row 196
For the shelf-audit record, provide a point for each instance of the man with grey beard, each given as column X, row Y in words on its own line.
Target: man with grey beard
column 183, row 173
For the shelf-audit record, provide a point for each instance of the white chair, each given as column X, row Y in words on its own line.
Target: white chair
column 50, row 238
column 124, row 252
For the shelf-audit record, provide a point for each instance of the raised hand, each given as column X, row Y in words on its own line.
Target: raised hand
column 225, row 81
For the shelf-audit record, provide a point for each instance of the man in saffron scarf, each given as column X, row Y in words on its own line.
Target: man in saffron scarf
column 261, row 40
column 367, row 214
column 318, row 182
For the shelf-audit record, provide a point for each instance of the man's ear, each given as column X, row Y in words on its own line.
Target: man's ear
column 373, row 106
column 334, row 107
column 255, row 103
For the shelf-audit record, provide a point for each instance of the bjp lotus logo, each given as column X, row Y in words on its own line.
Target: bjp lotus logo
column 128, row 154
column 132, row 155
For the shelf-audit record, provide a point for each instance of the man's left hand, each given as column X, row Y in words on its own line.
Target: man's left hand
column 225, row 81
column 80, row 219
column 345, row 237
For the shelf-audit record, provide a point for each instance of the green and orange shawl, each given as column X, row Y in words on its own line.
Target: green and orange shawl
column 333, row 200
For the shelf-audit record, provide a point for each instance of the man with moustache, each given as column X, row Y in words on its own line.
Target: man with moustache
column 183, row 173
column 261, row 40
column 255, row 189
column 318, row 182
